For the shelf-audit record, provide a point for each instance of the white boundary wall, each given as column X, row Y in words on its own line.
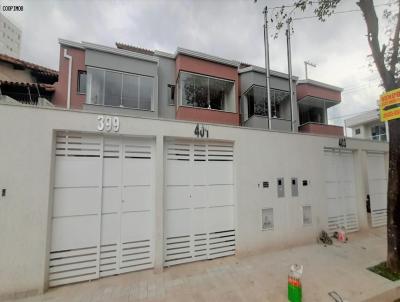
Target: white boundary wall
column 26, row 172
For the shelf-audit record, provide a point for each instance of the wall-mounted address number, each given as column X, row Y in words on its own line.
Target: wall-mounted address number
column 108, row 123
column 201, row 131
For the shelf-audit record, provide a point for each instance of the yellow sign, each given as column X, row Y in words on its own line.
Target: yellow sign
column 390, row 105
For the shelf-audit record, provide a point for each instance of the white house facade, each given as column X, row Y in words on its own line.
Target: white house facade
column 86, row 195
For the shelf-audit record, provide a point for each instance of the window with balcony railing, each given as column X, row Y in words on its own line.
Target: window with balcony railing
column 206, row 92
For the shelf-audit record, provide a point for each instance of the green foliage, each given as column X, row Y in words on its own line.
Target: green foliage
column 382, row 270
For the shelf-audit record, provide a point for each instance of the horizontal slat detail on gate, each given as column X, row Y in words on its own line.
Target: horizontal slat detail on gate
column 334, row 223
column 352, row 222
column 138, row 151
column 379, row 217
column 77, row 145
column 222, row 244
column 178, row 152
column 72, row 266
column 220, row 152
column 108, row 259
column 135, row 255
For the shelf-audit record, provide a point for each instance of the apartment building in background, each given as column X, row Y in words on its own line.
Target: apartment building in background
column 10, row 37
column 189, row 85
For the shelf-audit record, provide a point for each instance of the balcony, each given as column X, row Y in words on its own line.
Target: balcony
column 321, row 129
column 206, row 99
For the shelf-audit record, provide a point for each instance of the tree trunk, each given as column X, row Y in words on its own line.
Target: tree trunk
column 393, row 198
column 389, row 83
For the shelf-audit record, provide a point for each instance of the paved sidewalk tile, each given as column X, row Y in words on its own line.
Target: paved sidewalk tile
column 261, row 277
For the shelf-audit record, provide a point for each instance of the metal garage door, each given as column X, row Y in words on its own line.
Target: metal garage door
column 340, row 190
column 377, row 184
column 199, row 206
column 103, row 204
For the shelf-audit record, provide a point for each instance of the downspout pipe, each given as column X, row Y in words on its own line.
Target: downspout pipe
column 69, row 58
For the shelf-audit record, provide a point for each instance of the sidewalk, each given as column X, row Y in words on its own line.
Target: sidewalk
column 262, row 277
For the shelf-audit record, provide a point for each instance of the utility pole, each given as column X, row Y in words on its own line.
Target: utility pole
column 305, row 65
column 267, row 72
column 289, row 57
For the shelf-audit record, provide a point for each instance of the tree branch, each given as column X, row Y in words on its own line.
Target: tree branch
column 395, row 54
column 371, row 19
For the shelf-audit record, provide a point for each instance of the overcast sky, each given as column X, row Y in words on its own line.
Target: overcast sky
column 226, row 28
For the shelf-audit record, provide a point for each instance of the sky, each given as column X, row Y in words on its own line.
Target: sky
column 232, row 29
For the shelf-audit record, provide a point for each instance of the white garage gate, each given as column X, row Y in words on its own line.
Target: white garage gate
column 340, row 190
column 103, row 207
column 199, row 204
column 377, row 184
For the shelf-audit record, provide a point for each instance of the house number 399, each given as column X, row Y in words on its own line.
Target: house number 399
column 107, row 123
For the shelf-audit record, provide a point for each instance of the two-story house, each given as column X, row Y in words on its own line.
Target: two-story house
column 151, row 159
column 367, row 125
column 189, row 85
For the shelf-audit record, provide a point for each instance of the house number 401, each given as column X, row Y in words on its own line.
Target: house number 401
column 201, row 131
column 107, row 123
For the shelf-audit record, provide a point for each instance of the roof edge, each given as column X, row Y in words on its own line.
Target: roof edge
column 320, row 84
column 205, row 56
column 262, row 70
column 71, row 43
column 122, row 52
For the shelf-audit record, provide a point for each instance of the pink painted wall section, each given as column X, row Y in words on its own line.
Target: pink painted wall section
column 207, row 116
column 78, row 63
column 195, row 65
column 303, row 90
column 321, row 129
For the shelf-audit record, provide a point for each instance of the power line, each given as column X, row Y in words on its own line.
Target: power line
column 342, row 12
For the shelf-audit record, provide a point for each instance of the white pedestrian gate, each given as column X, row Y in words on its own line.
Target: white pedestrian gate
column 377, row 184
column 103, row 207
column 340, row 190
column 199, row 206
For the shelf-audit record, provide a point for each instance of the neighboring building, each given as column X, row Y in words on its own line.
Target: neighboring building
column 368, row 125
column 26, row 82
column 189, row 85
column 10, row 38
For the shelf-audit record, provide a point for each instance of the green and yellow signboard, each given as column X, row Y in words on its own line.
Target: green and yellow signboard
column 390, row 105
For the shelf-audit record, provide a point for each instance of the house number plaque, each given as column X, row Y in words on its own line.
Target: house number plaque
column 201, row 131
column 108, row 123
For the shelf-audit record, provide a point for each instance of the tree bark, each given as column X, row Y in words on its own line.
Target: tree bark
column 389, row 83
column 393, row 198
column 371, row 19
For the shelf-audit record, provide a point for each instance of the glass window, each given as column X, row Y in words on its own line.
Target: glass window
column 267, row 219
column 119, row 89
column 200, row 92
column 95, row 80
column 146, row 92
column 358, row 131
column 171, row 93
column 130, row 91
column 256, row 101
column 81, row 81
column 378, row 132
column 188, row 92
column 112, row 89
column 206, row 92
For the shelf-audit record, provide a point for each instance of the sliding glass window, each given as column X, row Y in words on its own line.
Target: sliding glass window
column 118, row 89
column 258, row 105
column 206, row 92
